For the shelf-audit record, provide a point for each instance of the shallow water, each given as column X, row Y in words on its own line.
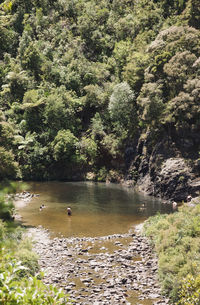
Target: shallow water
column 98, row 209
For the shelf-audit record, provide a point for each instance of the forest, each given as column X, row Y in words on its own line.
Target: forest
column 100, row 90
column 82, row 82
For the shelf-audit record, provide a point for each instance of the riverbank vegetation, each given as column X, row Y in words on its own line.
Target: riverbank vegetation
column 176, row 238
column 84, row 84
column 20, row 280
column 82, row 81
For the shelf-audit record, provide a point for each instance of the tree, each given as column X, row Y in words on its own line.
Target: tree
column 179, row 67
column 88, row 150
column 8, row 166
column 64, row 145
column 123, row 109
column 151, row 102
column 120, row 102
column 32, row 60
column 133, row 71
column 59, row 112
column 184, row 109
column 121, row 52
column 194, row 13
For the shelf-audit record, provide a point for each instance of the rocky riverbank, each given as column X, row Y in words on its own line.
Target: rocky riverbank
column 115, row 269
column 166, row 169
column 20, row 201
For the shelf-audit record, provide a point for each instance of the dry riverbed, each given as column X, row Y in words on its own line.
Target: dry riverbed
column 115, row 269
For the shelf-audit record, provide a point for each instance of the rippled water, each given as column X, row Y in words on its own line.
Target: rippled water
column 98, row 209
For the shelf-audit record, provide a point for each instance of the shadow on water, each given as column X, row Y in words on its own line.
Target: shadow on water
column 98, row 209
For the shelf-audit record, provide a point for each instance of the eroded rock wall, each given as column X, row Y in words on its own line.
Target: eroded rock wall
column 163, row 168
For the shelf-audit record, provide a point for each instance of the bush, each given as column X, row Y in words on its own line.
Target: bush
column 8, row 167
column 29, row 260
column 5, row 208
column 19, row 266
column 177, row 241
column 2, row 231
column 26, row 291
column 190, row 291
column 102, row 174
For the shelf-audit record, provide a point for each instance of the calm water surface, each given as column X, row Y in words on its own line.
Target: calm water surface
column 98, row 209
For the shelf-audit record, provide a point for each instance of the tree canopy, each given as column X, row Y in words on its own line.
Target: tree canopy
column 81, row 81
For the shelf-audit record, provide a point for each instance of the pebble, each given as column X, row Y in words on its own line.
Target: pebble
column 99, row 278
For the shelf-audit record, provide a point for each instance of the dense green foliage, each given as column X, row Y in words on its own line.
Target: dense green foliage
column 7, row 189
column 190, row 291
column 80, row 81
column 20, row 282
column 177, row 241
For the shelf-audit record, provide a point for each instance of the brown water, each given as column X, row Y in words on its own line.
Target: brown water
column 98, row 209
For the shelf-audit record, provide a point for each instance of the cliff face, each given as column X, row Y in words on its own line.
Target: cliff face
column 169, row 169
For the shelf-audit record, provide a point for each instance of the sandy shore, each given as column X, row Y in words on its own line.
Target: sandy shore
column 20, row 201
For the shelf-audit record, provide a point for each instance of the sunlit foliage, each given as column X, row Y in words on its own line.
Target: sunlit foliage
column 102, row 71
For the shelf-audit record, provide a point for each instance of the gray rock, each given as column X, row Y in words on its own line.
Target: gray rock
column 102, row 278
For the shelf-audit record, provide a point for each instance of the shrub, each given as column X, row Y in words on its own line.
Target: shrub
column 102, row 174
column 8, row 167
column 5, row 208
column 2, row 231
column 26, row 291
column 18, row 267
column 177, row 242
column 190, row 291
column 29, row 260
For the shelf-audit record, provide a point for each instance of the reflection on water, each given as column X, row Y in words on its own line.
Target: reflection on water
column 98, row 209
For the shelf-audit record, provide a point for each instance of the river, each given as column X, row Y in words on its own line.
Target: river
column 94, row 254
column 98, row 209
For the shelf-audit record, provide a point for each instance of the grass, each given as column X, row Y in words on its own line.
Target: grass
column 176, row 238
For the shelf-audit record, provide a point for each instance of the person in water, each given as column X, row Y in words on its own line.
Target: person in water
column 42, row 207
column 69, row 211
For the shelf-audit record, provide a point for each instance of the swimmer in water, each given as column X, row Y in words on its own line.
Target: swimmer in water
column 69, row 211
column 42, row 207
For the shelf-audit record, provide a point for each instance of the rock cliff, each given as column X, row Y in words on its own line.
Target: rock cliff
column 165, row 168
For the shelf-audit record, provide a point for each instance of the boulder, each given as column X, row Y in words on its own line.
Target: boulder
column 163, row 172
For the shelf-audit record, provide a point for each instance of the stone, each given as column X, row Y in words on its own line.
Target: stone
column 106, row 277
